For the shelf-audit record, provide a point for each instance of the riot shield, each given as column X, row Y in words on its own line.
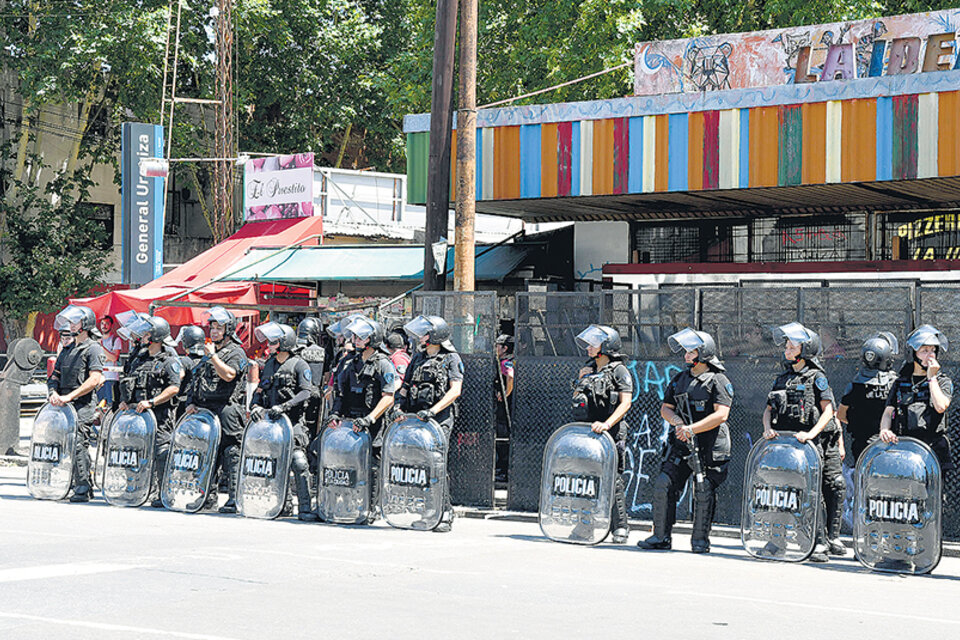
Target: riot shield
column 781, row 499
column 99, row 462
column 52, row 451
column 344, row 474
column 191, row 462
column 264, row 468
column 413, row 470
column 577, row 484
column 128, row 464
column 897, row 509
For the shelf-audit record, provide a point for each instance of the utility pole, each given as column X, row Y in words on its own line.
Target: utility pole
column 224, row 142
column 464, row 250
column 438, row 165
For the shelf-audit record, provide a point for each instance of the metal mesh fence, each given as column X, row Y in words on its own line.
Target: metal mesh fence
column 741, row 319
column 473, row 320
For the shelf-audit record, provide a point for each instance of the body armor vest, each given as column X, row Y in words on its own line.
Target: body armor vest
column 211, row 390
column 594, row 396
column 362, row 390
column 429, row 382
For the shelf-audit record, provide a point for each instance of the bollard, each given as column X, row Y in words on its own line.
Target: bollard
column 23, row 356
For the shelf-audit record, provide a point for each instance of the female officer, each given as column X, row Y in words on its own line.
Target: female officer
column 697, row 404
column 603, row 395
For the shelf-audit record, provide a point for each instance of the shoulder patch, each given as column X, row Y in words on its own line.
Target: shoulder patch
column 822, row 383
column 389, row 376
column 176, row 366
column 308, row 375
column 460, row 365
column 729, row 388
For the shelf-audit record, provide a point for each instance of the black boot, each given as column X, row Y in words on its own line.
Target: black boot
column 704, row 501
column 833, row 500
column 304, row 507
column 82, row 485
column 664, row 515
column 231, row 460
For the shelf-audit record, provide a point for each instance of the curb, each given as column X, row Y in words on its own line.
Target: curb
column 950, row 549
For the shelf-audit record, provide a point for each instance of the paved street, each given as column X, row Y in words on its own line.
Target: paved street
column 94, row 571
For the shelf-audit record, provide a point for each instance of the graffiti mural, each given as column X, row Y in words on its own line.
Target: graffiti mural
column 769, row 58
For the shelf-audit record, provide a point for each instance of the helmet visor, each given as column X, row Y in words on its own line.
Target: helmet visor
column 892, row 340
column 418, row 327
column 137, row 328
column 927, row 335
column 337, row 328
column 795, row 332
column 361, row 328
column 269, row 332
column 70, row 316
column 216, row 314
column 686, row 340
column 592, row 336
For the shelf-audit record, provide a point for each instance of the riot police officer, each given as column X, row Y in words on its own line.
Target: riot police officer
column 218, row 385
column 921, row 394
column 191, row 338
column 286, row 383
column 504, row 391
column 602, row 396
column 154, row 384
column 76, row 375
column 432, row 384
column 313, row 352
column 865, row 398
column 365, row 388
column 802, row 401
column 696, row 404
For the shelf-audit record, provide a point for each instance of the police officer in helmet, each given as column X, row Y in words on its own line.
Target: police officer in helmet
column 76, row 375
column 433, row 382
column 504, row 392
column 696, row 404
column 802, row 401
column 286, row 384
column 602, row 396
column 365, row 389
column 154, row 384
column 313, row 352
column 918, row 402
column 219, row 386
column 191, row 338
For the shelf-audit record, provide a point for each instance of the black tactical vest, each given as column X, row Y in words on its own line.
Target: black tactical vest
column 361, row 389
column 428, row 382
column 213, row 392
column 74, row 371
column 594, row 396
column 281, row 385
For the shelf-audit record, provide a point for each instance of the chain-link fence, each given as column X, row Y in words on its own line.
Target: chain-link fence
column 473, row 320
column 741, row 318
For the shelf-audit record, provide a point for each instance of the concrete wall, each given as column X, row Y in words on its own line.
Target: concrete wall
column 596, row 244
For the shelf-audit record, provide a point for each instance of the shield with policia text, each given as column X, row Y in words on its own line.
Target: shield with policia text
column 897, row 509
column 191, row 462
column 344, row 475
column 52, row 452
column 414, row 473
column 264, row 468
column 129, row 458
column 781, row 499
column 577, row 484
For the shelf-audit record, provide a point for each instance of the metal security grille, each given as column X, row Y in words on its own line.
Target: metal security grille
column 473, row 321
column 547, row 323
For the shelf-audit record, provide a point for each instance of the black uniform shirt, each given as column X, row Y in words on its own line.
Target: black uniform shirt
column 152, row 375
column 916, row 416
column 453, row 368
column 704, row 393
column 821, row 391
column 209, row 390
column 621, row 381
column 350, row 400
column 273, row 391
column 866, row 398
column 73, row 366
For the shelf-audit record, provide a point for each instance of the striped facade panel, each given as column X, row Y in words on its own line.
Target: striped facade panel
column 418, row 155
column 905, row 137
column 901, row 137
column 790, row 140
column 621, row 155
column 530, row 161
column 764, row 146
column 859, row 141
column 695, row 151
column 710, row 176
column 549, row 160
column 506, row 172
column 677, row 154
column 603, row 157
column 948, row 129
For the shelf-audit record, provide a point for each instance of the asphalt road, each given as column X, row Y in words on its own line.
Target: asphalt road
column 95, row 571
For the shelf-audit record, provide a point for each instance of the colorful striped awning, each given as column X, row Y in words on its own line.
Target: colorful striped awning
column 873, row 135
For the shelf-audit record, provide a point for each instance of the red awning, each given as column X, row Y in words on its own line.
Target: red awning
column 204, row 268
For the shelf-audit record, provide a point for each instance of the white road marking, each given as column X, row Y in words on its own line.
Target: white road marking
column 61, row 570
column 822, row 607
column 103, row 626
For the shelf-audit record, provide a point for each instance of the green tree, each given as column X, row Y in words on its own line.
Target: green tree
column 51, row 248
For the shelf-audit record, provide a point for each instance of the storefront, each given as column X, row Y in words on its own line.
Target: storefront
column 836, row 143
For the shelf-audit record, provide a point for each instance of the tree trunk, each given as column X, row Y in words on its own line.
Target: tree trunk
column 13, row 328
